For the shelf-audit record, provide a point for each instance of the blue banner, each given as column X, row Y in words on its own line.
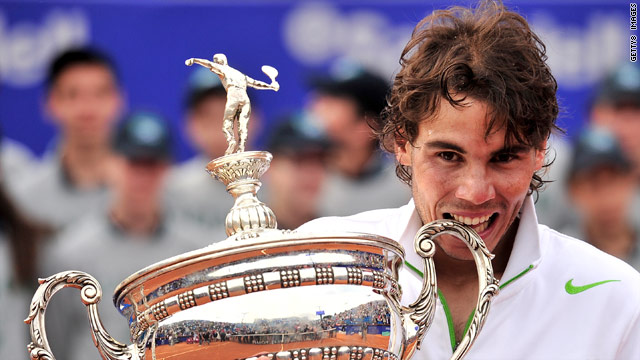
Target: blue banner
column 150, row 41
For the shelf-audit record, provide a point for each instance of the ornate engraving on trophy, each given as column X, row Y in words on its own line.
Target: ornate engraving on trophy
column 354, row 276
column 289, row 278
column 253, row 283
column 159, row 311
column 324, row 275
column 218, row 291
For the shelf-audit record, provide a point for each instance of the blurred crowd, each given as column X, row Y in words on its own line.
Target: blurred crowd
column 107, row 197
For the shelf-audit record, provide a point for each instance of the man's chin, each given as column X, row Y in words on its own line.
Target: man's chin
column 454, row 248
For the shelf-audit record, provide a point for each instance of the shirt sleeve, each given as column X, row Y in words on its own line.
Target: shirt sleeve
column 630, row 343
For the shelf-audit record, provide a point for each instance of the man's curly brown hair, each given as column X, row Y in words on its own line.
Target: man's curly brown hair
column 489, row 54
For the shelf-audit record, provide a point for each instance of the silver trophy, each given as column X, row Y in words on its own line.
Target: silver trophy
column 265, row 293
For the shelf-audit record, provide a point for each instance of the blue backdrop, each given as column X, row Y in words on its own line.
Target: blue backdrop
column 150, row 40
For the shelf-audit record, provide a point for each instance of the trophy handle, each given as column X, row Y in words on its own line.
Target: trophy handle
column 90, row 293
column 421, row 312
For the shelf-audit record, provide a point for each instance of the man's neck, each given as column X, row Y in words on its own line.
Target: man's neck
column 456, row 271
column 85, row 167
column 458, row 279
column 142, row 222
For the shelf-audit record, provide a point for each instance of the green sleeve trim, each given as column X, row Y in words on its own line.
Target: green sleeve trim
column 447, row 312
column 516, row 277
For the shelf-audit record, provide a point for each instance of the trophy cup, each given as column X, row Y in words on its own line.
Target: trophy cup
column 265, row 293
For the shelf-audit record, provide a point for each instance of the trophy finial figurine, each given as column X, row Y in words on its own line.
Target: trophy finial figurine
column 238, row 107
column 238, row 169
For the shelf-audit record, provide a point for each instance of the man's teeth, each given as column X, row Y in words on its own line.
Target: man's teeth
column 481, row 222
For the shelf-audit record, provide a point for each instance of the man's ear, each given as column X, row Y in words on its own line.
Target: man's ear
column 540, row 155
column 403, row 151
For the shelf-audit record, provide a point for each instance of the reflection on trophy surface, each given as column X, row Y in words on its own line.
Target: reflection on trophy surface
column 265, row 293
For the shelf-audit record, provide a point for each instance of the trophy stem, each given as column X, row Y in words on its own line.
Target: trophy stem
column 240, row 173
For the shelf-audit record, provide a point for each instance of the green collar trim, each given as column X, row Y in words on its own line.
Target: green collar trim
column 415, row 269
column 466, row 327
column 447, row 311
column 421, row 274
column 516, row 277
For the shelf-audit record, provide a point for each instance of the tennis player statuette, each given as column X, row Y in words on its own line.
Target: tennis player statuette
column 238, row 108
column 265, row 293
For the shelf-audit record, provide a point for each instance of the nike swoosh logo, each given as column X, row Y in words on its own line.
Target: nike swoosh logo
column 572, row 290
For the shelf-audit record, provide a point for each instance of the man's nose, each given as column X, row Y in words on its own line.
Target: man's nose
column 475, row 186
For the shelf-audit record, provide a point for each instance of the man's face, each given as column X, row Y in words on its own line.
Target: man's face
column 85, row 102
column 603, row 194
column 624, row 121
column 460, row 173
column 340, row 118
column 296, row 178
column 139, row 183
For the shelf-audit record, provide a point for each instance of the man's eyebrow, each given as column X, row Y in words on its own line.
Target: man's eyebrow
column 445, row 145
column 515, row 149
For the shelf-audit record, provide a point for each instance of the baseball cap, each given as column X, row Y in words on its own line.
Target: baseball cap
column 202, row 83
column 621, row 87
column 297, row 133
column 597, row 147
column 144, row 136
column 367, row 89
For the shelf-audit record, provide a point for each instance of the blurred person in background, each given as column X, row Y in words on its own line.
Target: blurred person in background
column 345, row 105
column 617, row 107
column 84, row 101
column 601, row 185
column 190, row 189
column 17, row 163
column 553, row 206
column 134, row 232
column 297, row 172
column 20, row 239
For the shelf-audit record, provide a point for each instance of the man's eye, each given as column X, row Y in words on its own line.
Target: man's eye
column 504, row 157
column 449, row 156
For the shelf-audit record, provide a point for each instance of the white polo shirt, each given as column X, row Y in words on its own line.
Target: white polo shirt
column 541, row 312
